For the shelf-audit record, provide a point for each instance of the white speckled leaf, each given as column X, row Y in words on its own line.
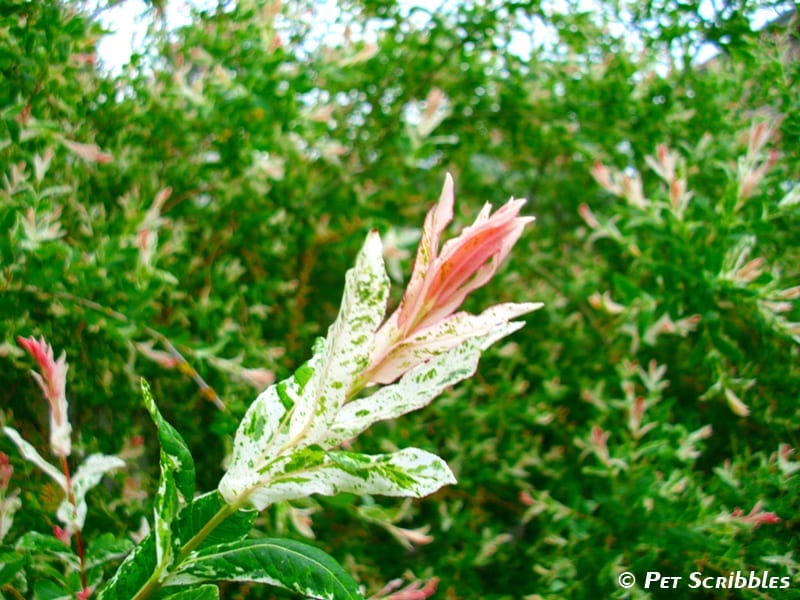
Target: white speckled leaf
column 409, row 472
column 348, row 345
column 85, row 478
column 414, row 390
column 264, row 429
column 442, row 336
column 418, row 387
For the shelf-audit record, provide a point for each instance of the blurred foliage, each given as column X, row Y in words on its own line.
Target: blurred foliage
column 197, row 212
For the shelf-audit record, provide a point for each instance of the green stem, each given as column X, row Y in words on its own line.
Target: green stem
column 154, row 583
column 223, row 513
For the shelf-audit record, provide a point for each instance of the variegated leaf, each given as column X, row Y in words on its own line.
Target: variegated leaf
column 409, row 472
column 348, row 345
column 282, row 563
column 88, row 475
column 447, row 334
column 414, row 390
column 264, row 429
column 30, row 454
column 172, row 445
column 177, row 475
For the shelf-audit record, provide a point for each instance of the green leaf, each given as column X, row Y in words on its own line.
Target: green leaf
column 173, row 446
column 10, row 564
column 45, row 589
column 203, row 592
column 282, row 563
column 177, row 475
column 197, row 514
column 106, row 548
column 133, row 573
column 44, row 546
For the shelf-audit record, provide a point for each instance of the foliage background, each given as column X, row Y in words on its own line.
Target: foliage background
column 250, row 156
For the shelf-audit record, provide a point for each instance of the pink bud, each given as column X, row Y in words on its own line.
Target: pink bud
column 425, row 323
column 52, row 381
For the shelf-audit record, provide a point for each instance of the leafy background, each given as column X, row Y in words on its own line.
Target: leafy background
column 250, row 156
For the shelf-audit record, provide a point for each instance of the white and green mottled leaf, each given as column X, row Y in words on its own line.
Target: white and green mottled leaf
column 282, row 563
column 409, row 472
column 419, row 386
column 133, row 573
column 88, row 475
column 177, row 476
column 439, row 338
column 416, row 389
column 30, row 454
column 165, row 508
column 264, row 429
column 174, row 449
column 348, row 345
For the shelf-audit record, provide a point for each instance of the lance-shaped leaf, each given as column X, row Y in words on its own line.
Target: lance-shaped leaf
column 348, row 345
column 282, row 563
column 88, row 475
column 447, row 333
column 133, row 573
column 264, row 428
column 177, row 475
column 202, row 592
column 298, row 411
column 30, row 454
column 409, row 472
column 173, row 447
column 416, row 389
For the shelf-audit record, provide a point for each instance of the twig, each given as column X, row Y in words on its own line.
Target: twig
column 182, row 364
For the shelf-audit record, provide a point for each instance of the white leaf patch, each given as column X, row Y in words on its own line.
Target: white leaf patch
column 30, row 454
column 87, row 476
column 347, row 347
column 409, row 472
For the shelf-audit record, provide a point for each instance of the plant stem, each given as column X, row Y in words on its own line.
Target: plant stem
column 78, row 538
column 154, row 583
column 223, row 513
column 206, row 390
